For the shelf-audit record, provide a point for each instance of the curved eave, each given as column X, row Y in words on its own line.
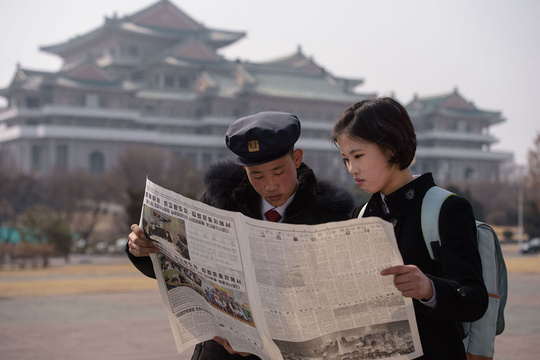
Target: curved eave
column 78, row 42
column 186, row 63
column 166, row 34
column 81, row 84
column 492, row 117
column 221, row 38
column 74, row 43
column 29, row 84
column 191, row 63
column 301, row 86
column 279, row 68
column 217, row 38
column 350, row 82
column 308, row 95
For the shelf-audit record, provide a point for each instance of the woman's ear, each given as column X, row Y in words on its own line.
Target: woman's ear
column 389, row 154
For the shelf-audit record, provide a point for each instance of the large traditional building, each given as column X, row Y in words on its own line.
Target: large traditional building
column 454, row 140
column 156, row 77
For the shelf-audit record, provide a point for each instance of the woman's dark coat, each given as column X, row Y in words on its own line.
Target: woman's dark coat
column 460, row 291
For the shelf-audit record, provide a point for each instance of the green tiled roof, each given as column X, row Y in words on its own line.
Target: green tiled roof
column 217, row 38
column 442, row 104
column 301, row 86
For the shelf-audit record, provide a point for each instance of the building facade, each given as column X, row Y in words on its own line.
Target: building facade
column 156, row 78
column 454, row 140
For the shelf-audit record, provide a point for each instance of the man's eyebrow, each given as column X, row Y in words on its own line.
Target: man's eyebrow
column 279, row 167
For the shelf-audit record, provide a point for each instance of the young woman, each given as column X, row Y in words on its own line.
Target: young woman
column 377, row 143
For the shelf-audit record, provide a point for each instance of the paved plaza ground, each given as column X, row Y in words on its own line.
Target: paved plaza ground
column 102, row 308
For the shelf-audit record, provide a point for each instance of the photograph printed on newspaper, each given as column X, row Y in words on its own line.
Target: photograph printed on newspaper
column 276, row 290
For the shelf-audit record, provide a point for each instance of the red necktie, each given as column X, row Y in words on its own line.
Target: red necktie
column 272, row 215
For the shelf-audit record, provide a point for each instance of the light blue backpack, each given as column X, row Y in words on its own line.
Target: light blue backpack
column 480, row 335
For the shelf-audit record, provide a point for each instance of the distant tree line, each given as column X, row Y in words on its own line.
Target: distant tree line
column 52, row 212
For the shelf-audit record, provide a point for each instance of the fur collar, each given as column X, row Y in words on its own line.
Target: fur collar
column 227, row 187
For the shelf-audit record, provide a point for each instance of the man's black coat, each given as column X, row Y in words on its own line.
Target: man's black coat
column 227, row 187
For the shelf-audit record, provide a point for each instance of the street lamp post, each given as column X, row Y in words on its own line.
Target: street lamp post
column 520, row 214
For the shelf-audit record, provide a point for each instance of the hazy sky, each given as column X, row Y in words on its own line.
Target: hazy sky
column 488, row 49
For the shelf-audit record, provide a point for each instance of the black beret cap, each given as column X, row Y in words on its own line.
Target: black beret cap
column 262, row 137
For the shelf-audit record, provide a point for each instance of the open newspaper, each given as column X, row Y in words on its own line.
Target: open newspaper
column 276, row 290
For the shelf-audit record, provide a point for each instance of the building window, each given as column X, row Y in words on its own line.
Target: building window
column 169, row 81
column 462, row 126
column 32, row 102
column 470, row 174
column 92, row 101
column 155, row 81
column 97, row 163
column 168, row 111
column 137, row 77
column 61, row 157
column 149, row 110
column 130, row 51
column 133, row 50
column 183, row 82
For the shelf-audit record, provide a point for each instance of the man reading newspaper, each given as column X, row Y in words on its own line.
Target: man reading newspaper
column 268, row 181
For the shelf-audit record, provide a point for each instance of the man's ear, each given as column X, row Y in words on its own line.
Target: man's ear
column 297, row 156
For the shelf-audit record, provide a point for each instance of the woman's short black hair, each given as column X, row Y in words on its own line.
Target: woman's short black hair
column 382, row 121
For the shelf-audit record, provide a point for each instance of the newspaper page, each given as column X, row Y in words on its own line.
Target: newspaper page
column 200, row 273
column 276, row 290
column 322, row 294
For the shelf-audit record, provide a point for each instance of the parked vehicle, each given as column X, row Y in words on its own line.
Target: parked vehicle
column 531, row 246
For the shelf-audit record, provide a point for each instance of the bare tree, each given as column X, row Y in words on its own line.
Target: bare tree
column 162, row 167
column 18, row 191
column 84, row 202
column 493, row 202
column 80, row 199
column 533, row 178
column 44, row 230
column 531, row 211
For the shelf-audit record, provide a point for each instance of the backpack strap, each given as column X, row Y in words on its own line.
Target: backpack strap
column 431, row 208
